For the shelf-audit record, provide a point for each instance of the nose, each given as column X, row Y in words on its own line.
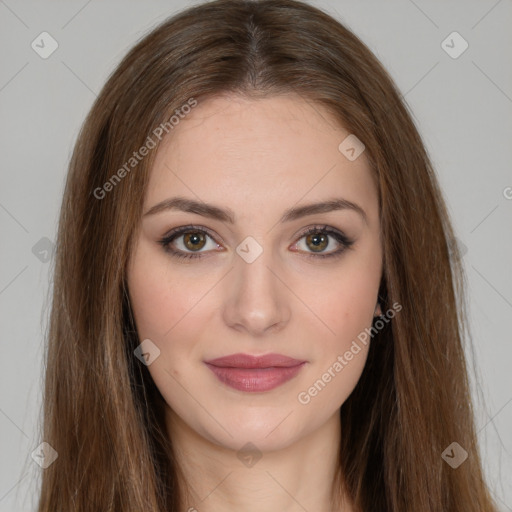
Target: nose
column 257, row 298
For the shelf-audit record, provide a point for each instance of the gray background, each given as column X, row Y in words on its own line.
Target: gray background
column 462, row 106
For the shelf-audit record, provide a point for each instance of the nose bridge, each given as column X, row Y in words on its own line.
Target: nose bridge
column 252, row 261
column 256, row 300
column 255, row 277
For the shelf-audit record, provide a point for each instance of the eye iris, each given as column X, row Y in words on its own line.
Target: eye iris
column 194, row 238
column 319, row 240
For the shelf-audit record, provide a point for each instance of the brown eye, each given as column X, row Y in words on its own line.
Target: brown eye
column 188, row 242
column 194, row 240
column 318, row 241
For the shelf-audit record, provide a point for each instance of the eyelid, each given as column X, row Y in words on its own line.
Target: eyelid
column 175, row 232
column 343, row 240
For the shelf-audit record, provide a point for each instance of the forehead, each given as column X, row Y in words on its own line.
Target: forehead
column 258, row 153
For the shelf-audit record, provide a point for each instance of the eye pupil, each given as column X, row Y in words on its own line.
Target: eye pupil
column 194, row 238
column 319, row 241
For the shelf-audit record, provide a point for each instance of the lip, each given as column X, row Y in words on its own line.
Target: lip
column 249, row 373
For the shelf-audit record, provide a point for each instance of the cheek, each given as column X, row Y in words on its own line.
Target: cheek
column 163, row 306
column 160, row 298
column 339, row 355
column 172, row 308
column 344, row 303
column 350, row 309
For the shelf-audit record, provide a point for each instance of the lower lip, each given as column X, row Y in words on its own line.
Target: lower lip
column 255, row 379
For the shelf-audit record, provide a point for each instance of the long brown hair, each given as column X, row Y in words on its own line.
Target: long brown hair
column 102, row 412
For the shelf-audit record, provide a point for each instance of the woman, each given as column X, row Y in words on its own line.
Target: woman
column 256, row 294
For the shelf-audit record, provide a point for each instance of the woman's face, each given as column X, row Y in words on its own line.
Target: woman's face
column 256, row 284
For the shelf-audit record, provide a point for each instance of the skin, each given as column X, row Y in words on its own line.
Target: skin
column 257, row 157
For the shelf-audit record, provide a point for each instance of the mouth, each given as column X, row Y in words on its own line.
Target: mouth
column 244, row 372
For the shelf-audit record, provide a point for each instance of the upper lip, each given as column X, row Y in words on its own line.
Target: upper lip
column 249, row 361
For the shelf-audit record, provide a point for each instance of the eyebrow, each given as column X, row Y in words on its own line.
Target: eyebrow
column 227, row 215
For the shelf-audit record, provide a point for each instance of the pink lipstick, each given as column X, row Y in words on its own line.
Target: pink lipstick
column 255, row 373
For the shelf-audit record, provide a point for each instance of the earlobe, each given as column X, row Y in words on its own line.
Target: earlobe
column 378, row 310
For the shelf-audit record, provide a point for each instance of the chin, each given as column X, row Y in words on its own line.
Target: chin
column 268, row 431
column 254, row 439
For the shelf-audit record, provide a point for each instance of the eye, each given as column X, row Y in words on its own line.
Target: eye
column 317, row 239
column 195, row 238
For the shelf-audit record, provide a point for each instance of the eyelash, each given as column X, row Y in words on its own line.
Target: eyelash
column 345, row 242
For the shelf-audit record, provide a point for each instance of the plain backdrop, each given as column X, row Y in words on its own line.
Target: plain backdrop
column 462, row 105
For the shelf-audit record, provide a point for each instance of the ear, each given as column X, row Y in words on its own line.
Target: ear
column 378, row 310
